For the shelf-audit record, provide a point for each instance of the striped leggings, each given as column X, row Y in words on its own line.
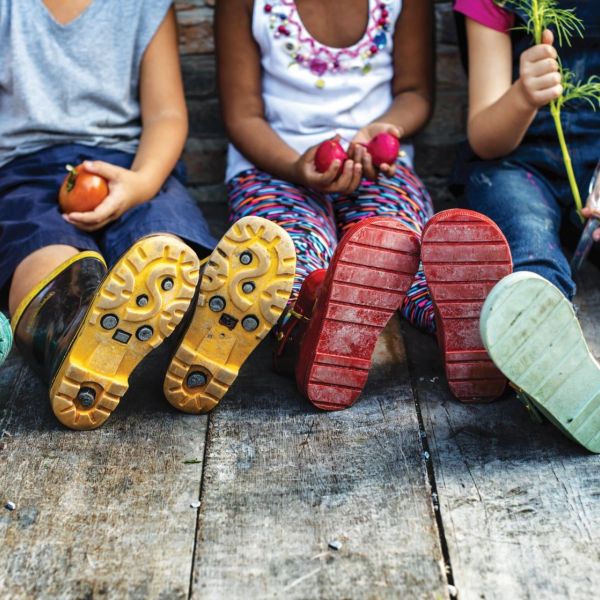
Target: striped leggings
column 315, row 221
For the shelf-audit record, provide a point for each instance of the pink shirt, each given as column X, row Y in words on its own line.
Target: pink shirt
column 487, row 13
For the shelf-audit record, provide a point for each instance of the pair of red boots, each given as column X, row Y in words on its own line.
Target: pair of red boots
column 331, row 333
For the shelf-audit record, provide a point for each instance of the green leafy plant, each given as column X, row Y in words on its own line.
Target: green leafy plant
column 546, row 14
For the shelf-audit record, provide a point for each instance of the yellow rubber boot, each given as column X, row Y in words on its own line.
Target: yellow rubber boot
column 88, row 348
column 244, row 289
column 141, row 301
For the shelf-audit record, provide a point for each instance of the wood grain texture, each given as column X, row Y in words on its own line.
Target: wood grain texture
column 520, row 502
column 98, row 514
column 283, row 480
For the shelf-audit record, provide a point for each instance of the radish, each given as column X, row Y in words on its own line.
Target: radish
column 384, row 148
column 327, row 152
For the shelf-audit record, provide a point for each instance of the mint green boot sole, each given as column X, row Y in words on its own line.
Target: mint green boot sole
column 533, row 336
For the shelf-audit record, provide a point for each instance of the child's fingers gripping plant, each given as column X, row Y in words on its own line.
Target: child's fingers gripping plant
column 542, row 15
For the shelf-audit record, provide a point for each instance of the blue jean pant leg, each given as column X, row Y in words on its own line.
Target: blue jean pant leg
column 30, row 217
column 172, row 211
column 523, row 205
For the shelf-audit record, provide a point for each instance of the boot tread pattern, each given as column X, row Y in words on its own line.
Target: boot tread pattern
column 532, row 333
column 371, row 274
column 254, row 251
column 102, row 358
column 464, row 256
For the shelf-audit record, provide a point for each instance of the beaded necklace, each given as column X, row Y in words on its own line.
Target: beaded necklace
column 308, row 53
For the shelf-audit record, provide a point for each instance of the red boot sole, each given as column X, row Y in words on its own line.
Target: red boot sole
column 370, row 272
column 464, row 255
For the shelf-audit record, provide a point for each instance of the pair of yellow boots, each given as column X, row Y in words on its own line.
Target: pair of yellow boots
column 85, row 329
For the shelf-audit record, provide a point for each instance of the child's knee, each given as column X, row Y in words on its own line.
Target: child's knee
column 35, row 268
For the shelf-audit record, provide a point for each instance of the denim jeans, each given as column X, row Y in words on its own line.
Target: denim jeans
column 30, row 216
column 525, row 207
column 527, row 193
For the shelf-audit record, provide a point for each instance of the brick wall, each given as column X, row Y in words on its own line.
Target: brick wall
column 206, row 146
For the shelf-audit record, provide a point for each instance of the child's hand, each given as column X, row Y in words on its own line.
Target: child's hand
column 125, row 191
column 592, row 208
column 540, row 80
column 358, row 151
column 308, row 176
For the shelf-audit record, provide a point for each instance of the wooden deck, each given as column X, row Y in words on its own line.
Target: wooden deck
column 427, row 497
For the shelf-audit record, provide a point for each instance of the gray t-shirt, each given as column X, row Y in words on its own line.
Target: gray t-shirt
column 74, row 83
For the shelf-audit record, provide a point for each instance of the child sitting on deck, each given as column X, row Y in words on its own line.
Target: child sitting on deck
column 97, row 82
column 293, row 74
column 519, row 180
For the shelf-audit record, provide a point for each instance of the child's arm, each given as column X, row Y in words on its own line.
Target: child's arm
column 164, row 129
column 412, row 86
column 243, row 110
column 500, row 111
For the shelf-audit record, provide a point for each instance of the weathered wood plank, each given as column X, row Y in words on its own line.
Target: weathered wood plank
column 282, row 480
column 520, row 502
column 98, row 514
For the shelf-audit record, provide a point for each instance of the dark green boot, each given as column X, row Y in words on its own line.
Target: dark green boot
column 46, row 320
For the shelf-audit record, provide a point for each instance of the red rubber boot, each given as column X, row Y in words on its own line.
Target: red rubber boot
column 370, row 272
column 290, row 335
column 464, row 255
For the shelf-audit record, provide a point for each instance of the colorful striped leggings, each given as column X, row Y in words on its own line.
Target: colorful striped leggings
column 315, row 221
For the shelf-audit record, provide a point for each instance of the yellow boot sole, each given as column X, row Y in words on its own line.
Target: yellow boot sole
column 244, row 289
column 139, row 303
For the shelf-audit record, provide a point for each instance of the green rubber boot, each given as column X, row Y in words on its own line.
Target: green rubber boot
column 533, row 336
column 6, row 338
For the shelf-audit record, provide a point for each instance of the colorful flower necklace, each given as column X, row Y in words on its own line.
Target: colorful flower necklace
column 306, row 52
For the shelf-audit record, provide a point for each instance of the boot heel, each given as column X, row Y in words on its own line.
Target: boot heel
column 244, row 289
column 138, row 305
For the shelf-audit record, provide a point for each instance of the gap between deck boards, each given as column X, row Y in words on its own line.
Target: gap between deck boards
column 281, row 480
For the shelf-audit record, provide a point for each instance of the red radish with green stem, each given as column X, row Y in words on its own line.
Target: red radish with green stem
column 327, row 152
column 384, row 148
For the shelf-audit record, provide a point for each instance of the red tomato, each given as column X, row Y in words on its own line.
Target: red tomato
column 81, row 191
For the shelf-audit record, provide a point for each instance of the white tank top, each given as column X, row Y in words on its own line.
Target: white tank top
column 312, row 91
